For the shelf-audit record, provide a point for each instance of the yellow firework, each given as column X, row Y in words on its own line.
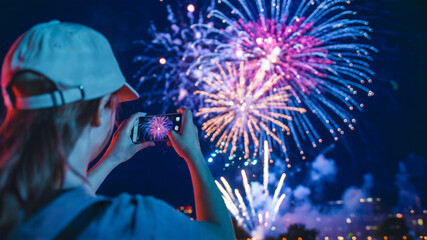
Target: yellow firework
column 240, row 107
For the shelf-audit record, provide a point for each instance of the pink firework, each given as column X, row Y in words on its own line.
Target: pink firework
column 286, row 50
column 158, row 127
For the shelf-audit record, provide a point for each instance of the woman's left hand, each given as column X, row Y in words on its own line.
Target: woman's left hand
column 120, row 150
column 121, row 147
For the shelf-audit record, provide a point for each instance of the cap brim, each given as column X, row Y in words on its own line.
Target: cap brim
column 127, row 93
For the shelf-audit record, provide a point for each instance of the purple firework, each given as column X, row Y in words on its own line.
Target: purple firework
column 158, row 127
column 165, row 60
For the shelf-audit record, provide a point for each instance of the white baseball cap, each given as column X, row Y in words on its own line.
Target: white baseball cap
column 70, row 55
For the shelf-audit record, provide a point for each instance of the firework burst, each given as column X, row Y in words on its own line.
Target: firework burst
column 312, row 45
column 255, row 218
column 157, row 127
column 165, row 60
column 241, row 105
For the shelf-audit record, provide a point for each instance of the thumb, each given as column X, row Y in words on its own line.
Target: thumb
column 129, row 124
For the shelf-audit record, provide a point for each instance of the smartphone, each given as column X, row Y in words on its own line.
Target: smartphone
column 155, row 127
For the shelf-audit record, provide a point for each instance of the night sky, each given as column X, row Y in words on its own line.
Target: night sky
column 392, row 128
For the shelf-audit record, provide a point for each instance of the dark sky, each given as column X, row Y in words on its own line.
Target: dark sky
column 392, row 127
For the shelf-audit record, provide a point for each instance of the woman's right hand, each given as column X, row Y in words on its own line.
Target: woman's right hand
column 212, row 216
column 186, row 143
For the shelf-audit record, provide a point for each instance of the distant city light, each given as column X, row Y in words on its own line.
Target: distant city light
column 187, row 210
column 191, row 8
column 162, row 61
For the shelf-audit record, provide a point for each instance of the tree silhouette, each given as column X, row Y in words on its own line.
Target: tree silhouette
column 270, row 238
column 299, row 232
column 393, row 228
column 240, row 233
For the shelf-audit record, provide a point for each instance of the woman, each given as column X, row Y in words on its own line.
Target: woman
column 61, row 85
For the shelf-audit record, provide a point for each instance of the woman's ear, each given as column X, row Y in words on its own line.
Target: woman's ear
column 101, row 107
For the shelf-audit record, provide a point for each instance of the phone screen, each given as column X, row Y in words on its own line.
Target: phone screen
column 155, row 127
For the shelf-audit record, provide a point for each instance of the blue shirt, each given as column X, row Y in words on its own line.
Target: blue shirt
column 81, row 215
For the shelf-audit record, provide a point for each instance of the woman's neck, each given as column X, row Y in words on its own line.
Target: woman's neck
column 77, row 162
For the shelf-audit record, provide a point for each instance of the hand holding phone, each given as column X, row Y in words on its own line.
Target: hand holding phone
column 186, row 143
column 155, row 127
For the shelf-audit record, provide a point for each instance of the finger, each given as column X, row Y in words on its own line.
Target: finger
column 122, row 124
column 188, row 115
column 172, row 135
column 146, row 144
column 131, row 121
column 119, row 128
column 187, row 118
column 181, row 110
